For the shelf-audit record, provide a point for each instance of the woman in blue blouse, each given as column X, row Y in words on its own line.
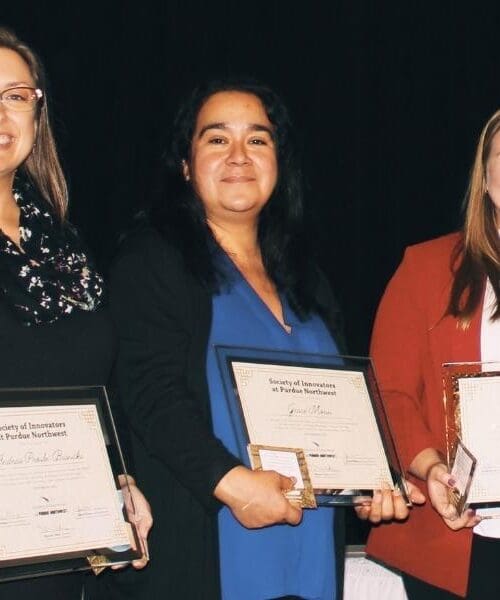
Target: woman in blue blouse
column 223, row 260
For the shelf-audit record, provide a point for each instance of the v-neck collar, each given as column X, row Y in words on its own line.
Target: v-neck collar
column 288, row 320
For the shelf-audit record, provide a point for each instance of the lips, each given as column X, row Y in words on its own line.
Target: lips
column 238, row 179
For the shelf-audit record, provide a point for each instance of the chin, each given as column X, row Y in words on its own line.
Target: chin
column 244, row 204
column 242, row 207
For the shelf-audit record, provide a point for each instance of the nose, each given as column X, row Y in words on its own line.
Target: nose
column 238, row 154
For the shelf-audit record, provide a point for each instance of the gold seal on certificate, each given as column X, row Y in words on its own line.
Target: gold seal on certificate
column 472, row 402
column 328, row 407
column 61, row 507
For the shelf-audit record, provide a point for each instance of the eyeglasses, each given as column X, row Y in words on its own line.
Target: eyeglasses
column 21, row 99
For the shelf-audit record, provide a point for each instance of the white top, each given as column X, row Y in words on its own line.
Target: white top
column 490, row 351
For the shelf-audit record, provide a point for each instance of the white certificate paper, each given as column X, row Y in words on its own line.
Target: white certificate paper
column 58, row 493
column 284, row 462
column 326, row 412
column 480, row 426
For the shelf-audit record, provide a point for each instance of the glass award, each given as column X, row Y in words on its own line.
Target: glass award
column 328, row 407
column 63, row 482
column 472, row 408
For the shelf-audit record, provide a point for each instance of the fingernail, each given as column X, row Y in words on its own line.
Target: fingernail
column 452, row 482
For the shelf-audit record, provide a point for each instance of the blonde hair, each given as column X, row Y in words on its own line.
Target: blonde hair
column 42, row 166
column 478, row 253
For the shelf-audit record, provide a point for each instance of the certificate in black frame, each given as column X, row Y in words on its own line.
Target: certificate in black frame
column 95, row 558
column 228, row 355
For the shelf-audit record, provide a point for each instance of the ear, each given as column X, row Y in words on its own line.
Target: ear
column 185, row 170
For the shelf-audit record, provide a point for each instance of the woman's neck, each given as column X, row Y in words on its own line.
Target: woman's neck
column 238, row 240
column 6, row 194
column 9, row 210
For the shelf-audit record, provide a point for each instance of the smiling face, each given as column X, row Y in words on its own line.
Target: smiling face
column 17, row 129
column 233, row 163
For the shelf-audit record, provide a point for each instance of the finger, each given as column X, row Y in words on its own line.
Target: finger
column 401, row 511
column 448, row 480
column 467, row 519
column 448, row 512
column 144, row 525
column 387, row 512
column 472, row 518
column 293, row 515
column 441, row 474
column 375, row 514
column 416, row 496
column 363, row 512
column 287, row 483
column 140, row 563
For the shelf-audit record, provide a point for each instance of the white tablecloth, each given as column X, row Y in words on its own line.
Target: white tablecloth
column 367, row 580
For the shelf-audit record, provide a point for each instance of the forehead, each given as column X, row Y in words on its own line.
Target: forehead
column 13, row 68
column 232, row 108
column 495, row 140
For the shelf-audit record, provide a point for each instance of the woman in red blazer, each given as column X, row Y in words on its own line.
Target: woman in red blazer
column 442, row 305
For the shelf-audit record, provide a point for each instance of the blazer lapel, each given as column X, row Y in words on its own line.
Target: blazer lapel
column 466, row 342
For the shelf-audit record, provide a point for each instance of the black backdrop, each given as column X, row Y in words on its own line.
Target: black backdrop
column 388, row 99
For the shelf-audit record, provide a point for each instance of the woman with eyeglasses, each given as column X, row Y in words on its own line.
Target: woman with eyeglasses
column 54, row 329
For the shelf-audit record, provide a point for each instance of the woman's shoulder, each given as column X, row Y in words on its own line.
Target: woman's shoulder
column 146, row 246
column 427, row 268
column 142, row 238
column 148, row 260
column 443, row 246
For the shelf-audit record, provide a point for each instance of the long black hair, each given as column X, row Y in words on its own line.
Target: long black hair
column 178, row 213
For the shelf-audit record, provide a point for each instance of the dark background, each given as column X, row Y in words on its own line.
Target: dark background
column 388, row 100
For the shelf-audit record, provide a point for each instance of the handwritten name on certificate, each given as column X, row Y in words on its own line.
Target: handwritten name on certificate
column 58, row 493
column 326, row 412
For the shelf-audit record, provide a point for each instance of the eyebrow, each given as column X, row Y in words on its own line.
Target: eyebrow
column 251, row 127
column 13, row 84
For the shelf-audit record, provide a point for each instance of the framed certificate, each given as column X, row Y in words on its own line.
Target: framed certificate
column 61, row 506
column 327, row 406
column 472, row 406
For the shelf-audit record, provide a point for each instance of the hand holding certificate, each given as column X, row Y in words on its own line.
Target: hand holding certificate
column 328, row 407
column 256, row 498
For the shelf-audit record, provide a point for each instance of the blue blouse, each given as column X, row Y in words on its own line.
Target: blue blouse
column 280, row 560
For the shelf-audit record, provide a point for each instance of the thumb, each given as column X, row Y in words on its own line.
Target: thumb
column 287, row 483
column 294, row 515
column 416, row 496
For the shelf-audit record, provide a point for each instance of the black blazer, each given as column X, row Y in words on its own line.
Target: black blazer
column 163, row 316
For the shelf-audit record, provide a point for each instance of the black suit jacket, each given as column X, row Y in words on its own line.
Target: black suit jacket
column 163, row 316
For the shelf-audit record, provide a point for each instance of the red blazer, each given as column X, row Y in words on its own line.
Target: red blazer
column 411, row 340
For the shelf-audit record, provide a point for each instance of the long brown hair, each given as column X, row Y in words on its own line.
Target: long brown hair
column 478, row 254
column 42, row 166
